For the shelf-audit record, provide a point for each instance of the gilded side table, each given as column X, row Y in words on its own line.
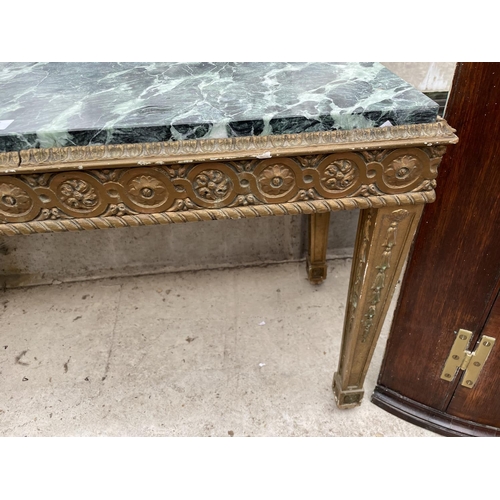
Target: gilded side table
column 102, row 145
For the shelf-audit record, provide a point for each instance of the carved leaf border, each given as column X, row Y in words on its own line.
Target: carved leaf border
column 161, row 153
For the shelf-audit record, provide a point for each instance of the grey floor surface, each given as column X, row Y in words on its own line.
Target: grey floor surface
column 233, row 352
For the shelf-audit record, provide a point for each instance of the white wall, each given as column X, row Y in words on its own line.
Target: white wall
column 425, row 76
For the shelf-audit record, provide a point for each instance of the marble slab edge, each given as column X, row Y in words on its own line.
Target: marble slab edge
column 198, row 150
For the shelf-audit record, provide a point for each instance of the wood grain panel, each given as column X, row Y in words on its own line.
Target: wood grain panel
column 454, row 272
column 482, row 403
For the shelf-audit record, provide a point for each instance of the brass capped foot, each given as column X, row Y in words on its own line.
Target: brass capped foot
column 348, row 398
column 316, row 273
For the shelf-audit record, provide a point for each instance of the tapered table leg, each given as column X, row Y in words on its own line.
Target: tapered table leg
column 382, row 244
column 317, row 243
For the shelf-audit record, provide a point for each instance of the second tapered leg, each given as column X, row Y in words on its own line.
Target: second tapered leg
column 317, row 244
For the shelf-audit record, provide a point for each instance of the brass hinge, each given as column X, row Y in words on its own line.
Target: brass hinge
column 471, row 362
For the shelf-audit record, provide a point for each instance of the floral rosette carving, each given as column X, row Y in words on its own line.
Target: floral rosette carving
column 147, row 190
column 78, row 194
column 212, row 185
column 276, row 180
column 339, row 175
column 403, row 170
column 14, row 200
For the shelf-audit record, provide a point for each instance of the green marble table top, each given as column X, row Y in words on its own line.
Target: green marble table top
column 46, row 105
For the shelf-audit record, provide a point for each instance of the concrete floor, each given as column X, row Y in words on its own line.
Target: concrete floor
column 233, row 352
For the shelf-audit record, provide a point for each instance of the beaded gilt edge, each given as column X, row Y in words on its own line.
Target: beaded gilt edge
column 160, row 153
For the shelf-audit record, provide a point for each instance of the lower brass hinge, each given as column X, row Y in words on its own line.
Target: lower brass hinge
column 471, row 362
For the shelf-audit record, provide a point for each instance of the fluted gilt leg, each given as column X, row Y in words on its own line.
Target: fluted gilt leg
column 382, row 244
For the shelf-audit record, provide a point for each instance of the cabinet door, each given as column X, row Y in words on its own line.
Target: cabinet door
column 453, row 274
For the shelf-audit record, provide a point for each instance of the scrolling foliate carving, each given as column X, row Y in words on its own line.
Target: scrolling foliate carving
column 310, row 161
column 244, row 201
column 427, row 185
column 107, row 175
column 368, row 190
column 359, row 271
column 377, row 155
column 36, row 180
column 305, row 195
column 184, row 206
column 243, row 165
column 437, row 151
column 119, row 210
column 246, row 182
column 177, row 173
column 379, row 281
column 52, row 214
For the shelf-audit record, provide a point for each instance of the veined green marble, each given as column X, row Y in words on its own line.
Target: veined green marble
column 64, row 104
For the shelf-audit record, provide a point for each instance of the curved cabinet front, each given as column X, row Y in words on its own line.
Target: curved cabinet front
column 452, row 280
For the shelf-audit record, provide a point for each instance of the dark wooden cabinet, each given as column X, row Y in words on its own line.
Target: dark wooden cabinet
column 452, row 279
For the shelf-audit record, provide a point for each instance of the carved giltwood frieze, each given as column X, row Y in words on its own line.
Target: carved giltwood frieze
column 216, row 185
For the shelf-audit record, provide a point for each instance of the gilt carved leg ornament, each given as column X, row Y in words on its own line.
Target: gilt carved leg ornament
column 317, row 244
column 382, row 244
